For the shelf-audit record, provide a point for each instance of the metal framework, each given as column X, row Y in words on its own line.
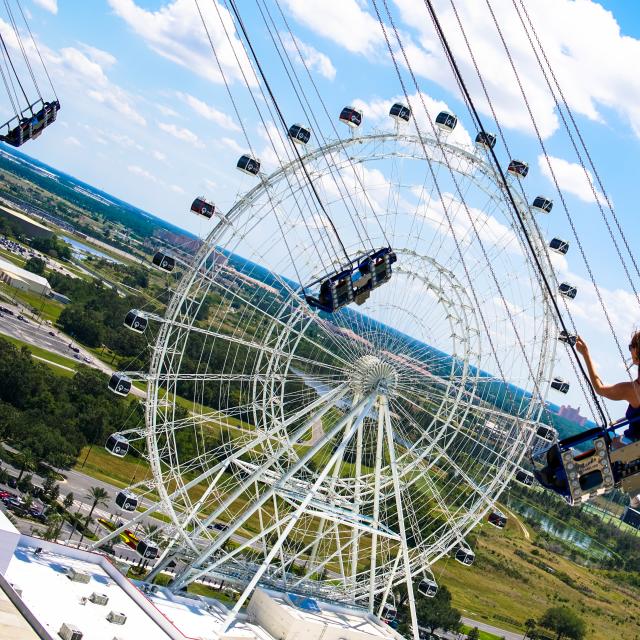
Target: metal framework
column 341, row 456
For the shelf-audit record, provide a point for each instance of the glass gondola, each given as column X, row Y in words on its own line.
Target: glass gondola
column 464, row 555
column 117, row 445
column 497, row 519
column 30, row 126
column 351, row 116
column 127, row 500
column 578, row 475
column 365, row 273
column 524, row 477
column 400, row 112
column 136, row 321
column 164, row 261
column 120, row 384
column 203, row 207
column 248, row 165
column 567, row 338
column 428, row 587
column 147, row 549
column 567, row 290
column 299, row 134
column 389, row 613
column 542, row 204
column 518, row 168
column 559, row 246
column 560, row 385
column 486, row 140
column 446, row 121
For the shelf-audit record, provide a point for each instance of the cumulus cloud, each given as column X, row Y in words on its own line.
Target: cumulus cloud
column 234, row 146
column 175, row 31
column 159, row 155
column 166, row 111
column 115, row 99
column 310, row 56
column 48, row 5
column 102, row 58
column 208, row 112
column 346, row 23
column 181, row 133
column 72, row 141
column 176, row 188
column 142, row 173
column 571, row 178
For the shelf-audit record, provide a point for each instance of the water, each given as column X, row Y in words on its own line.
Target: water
column 81, row 249
column 559, row 530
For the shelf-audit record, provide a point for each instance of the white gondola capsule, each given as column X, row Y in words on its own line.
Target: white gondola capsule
column 518, row 168
column 464, row 555
column 203, row 207
column 567, row 338
column 428, row 587
column 547, row 433
column 486, row 140
column 249, row 165
column 299, row 134
column 400, row 113
column 446, row 121
column 147, row 549
column 120, row 384
column 497, row 519
column 560, row 385
column 164, row 261
column 567, row 290
column 542, row 204
column 389, row 613
column 524, row 477
column 559, row 246
column 117, row 445
column 351, row 116
column 127, row 500
column 136, row 321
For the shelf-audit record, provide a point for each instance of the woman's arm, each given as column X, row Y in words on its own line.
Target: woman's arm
column 620, row 391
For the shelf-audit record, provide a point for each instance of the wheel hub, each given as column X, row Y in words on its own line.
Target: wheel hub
column 370, row 374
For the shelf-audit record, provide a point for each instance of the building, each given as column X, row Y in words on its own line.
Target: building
column 46, row 588
column 30, row 227
column 22, row 279
column 572, row 414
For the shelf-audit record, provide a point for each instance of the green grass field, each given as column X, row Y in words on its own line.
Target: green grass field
column 48, row 309
column 46, row 357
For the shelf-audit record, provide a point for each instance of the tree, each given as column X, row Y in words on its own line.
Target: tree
column 35, row 265
column 474, row 634
column 98, row 496
column 437, row 613
column 529, row 626
column 565, row 622
column 67, row 503
column 26, row 461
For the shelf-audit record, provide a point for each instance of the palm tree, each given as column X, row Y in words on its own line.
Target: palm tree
column 529, row 625
column 98, row 496
column 27, row 461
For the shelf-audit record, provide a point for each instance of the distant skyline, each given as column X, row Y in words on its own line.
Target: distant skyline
column 146, row 118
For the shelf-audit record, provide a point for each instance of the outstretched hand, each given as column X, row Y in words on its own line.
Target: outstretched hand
column 581, row 347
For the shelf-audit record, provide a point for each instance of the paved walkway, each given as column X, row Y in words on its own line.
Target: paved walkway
column 501, row 633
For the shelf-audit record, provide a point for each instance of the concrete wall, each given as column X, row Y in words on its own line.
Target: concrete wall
column 9, row 538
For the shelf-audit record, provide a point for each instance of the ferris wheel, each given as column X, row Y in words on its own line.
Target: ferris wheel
column 338, row 445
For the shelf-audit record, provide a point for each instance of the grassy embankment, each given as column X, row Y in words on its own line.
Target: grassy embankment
column 513, row 580
column 48, row 358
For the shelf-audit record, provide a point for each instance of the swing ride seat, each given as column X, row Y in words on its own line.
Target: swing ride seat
column 30, row 126
column 579, row 476
column 365, row 273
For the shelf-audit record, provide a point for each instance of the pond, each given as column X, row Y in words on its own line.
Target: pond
column 82, row 249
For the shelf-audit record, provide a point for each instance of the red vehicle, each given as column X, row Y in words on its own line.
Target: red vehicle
column 130, row 539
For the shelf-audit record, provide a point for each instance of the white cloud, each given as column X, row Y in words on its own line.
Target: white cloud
column 176, row 189
column 175, row 32
column 99, row 56
column 142, row 173
column 234, row 146
column 344, row 22
column 48, row 5
column 115, row 99
column 168, row 112
column 181, row 133
column 158, row 155
column 377, row 111
column 571, row 178
column 311, row 57
column 72, row 141
column 208, row 112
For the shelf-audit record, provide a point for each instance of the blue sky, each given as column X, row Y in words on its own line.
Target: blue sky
column 146, row 118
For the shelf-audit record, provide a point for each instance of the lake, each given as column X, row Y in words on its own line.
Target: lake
column 81, row 249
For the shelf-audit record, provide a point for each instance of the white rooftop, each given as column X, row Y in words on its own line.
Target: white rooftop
column 23, row 274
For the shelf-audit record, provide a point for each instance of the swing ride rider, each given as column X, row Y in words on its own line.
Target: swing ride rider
column 629, row 391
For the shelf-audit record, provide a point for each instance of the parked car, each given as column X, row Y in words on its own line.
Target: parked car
column 51, row 333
